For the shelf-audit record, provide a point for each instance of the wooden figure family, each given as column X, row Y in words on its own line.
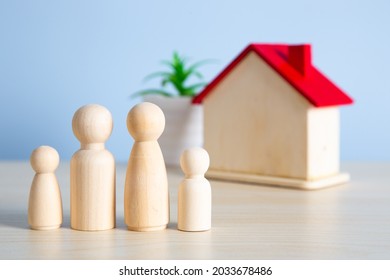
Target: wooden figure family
column 92, row 178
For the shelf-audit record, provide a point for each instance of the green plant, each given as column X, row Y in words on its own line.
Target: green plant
column 177, row 78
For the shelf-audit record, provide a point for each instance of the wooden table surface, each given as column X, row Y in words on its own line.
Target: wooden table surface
column 249, row 222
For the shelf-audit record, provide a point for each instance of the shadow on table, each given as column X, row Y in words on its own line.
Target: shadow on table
column 16, row 219
column 120, row 225
column 19, row 219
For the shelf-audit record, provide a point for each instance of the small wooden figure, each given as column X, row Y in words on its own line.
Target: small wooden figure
column 92, row 171
column 194, row 199
column 146, row 187
column 45, row 204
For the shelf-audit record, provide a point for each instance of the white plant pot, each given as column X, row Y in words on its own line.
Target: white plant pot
column 183, row 126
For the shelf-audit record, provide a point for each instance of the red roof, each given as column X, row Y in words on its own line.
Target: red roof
column 293, row 63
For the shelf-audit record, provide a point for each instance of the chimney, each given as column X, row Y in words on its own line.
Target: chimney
column 299, row 57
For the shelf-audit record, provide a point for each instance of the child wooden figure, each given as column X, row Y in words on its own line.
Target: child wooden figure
column 92, row 171
column 45, row 205
column 194, row 199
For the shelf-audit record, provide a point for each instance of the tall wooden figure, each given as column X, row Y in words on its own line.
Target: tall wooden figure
column 92, row 171
column 194, row 199
column 146, row 188
column 45, row 205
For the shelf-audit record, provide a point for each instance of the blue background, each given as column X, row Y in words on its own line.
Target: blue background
column 56, row 56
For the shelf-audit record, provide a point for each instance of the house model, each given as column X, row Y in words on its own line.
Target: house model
column 272, row 118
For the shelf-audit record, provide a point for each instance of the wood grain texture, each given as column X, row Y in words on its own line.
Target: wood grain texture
column 93, row 190
column 92, row 171
column 239, row 134
column 146, row 189
column 323, row 142
column 45, row 203
column 194, row 198
column 299, row 184
column 249, row 222
column 146, row 202
column 256, row 123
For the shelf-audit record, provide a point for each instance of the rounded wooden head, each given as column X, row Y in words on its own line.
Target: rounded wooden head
column 145, row 122
column 92, row 124
column 44, row 159
column 194, row 161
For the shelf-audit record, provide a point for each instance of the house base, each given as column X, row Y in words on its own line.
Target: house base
column 301, row 184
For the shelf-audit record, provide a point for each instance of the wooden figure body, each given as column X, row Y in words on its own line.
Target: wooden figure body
column 92, row 171
column 194, row 199
column 146, row 187
column 45, row 204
